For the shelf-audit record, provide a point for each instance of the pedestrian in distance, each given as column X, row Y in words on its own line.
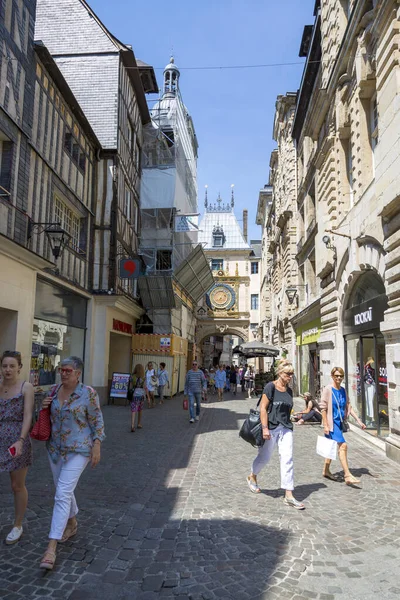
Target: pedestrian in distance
column 220, row 381
column 275, row 408
column 136, row 396
column 77, row 430
column 238, row 378
column 243, row 370
column 312, row 412
column 335, row 409
column 195, row 387
column 16, row 410
column 228, row 379
column 249, row 380
column 163, row 380
column 151, row 382
column 232, row 376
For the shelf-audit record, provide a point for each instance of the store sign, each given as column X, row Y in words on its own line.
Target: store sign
column 308, row 333
column 119, row 385
column 365, row 316
column 165, row 343
column 185, row 223
column 122, row 326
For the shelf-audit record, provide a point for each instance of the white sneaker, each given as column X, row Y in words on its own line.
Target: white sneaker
column 14, row 536
column 197, row 418
column 191, row 421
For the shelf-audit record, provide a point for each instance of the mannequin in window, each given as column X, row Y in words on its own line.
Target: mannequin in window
column 369, row 387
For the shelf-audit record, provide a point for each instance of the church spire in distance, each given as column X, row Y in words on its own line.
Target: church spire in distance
column 171, row 79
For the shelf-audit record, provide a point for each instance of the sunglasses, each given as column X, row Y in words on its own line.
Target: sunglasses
column 290, row 373
column 339, row 376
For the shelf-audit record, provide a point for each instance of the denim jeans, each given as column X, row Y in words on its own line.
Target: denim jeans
column 192, row 397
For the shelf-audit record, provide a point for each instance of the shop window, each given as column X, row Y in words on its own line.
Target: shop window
column 164, row 260
column 254, row 301
column 70, row 222
column 217, row 264
column 254, row 268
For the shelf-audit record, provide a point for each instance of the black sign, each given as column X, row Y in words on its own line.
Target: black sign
column 365, row 316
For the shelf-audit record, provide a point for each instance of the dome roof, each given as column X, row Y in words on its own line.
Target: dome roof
column 171, row 65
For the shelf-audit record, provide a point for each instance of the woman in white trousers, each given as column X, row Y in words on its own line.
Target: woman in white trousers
column 275, row 408
column 77, row 430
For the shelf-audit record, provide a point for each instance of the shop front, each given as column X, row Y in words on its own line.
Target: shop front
column 307, row 336
column 59, row 329
column 365, row 356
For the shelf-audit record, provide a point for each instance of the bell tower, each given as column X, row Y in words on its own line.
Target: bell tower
column 171, row 79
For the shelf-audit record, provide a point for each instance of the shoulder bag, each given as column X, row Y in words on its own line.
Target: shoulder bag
column 251, row 430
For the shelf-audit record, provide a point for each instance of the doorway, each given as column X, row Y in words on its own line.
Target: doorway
column 8, row 329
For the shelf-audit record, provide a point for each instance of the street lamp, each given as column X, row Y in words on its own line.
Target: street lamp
column 291, row 292
column 57, row 236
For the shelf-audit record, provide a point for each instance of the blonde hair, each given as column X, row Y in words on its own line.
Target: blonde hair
column 339, row 370
column 284, row 366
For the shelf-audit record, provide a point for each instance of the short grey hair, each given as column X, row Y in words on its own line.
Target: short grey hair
column 75, row 361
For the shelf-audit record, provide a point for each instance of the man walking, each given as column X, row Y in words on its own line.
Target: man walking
column 163, row 380
column 195, row 386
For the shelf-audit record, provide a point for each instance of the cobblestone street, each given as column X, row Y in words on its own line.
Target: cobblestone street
column 168, row 514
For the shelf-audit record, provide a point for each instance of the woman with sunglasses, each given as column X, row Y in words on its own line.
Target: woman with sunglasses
column 77, row 430
column 275, row 409
column 335, row 409
column 16, row 409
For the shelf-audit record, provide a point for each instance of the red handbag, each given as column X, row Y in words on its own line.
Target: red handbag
column 42, row 428
column 185, row 404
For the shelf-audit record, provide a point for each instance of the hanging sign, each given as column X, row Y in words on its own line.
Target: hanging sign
column 185, row 223
column 119, row 385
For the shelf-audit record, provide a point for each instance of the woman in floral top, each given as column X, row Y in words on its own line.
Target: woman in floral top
column 77, row 431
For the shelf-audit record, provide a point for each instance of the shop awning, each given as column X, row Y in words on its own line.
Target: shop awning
column 258, row 349
column 156, row 291
column 194, row 274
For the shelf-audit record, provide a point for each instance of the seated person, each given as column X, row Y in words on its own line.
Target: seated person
column 311, row 413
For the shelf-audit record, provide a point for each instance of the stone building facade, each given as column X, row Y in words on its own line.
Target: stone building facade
column 346, row 131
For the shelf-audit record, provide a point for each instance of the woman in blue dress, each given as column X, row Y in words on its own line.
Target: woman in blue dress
column 335, row 409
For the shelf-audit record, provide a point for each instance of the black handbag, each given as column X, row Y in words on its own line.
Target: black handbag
column 251, row 430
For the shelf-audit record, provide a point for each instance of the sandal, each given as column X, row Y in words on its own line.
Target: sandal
column 351, row 480
column 140, row 426
column 295, row 503
column 330, row 476
column 69, row 534
column 132, row 430
column 48, row 563
column 253, row 485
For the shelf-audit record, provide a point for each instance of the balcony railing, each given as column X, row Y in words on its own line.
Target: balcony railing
column 300, row 244
column 311, row 227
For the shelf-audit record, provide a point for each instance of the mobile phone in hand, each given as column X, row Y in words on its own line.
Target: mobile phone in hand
column 12, row 450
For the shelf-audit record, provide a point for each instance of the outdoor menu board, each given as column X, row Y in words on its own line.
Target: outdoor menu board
column 119, row 385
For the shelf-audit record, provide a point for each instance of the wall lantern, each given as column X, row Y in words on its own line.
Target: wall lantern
column 291, row 292
column 57, row 236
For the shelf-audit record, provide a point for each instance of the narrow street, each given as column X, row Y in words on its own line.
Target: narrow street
column 168, row 514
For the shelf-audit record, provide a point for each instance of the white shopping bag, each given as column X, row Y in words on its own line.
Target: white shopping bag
column 326, row 447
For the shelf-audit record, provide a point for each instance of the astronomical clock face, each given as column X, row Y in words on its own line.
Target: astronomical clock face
column 221, row 296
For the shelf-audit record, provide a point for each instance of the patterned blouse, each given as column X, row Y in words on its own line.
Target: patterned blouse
column 76, row 424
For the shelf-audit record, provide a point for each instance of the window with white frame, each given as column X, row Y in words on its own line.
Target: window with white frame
column 254, row 301
column 69, row 221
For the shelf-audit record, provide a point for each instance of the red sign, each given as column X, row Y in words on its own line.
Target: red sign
column 122, row 327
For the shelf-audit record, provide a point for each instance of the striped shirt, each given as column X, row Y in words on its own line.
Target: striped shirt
column 195, row 382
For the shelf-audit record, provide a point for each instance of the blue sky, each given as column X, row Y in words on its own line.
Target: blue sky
column 232, row 109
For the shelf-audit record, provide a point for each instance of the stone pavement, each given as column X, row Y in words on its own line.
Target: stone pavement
column 168, row 514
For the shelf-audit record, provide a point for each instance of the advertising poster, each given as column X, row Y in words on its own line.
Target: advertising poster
column 119, row 385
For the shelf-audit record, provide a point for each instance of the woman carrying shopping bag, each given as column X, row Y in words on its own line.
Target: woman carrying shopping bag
column 275, row 408
column 77, row 431
column 335, row 408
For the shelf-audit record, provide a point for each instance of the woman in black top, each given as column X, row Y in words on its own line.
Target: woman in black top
column 311, row 413
column 275, row 408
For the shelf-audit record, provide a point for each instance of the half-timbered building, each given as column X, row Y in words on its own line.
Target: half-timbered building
column 110, row 86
